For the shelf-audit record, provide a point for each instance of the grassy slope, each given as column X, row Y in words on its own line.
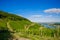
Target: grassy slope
column 17, row 23
column 34, row 31
column 19, row 27
column 22, row 27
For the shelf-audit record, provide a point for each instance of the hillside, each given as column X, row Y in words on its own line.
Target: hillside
column 13, row 22
column 19, row 28
column 9, row 16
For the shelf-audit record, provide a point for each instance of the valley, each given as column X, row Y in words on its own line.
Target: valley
column 14, row 27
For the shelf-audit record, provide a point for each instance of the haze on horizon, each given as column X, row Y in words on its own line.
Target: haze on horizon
column 34, row 10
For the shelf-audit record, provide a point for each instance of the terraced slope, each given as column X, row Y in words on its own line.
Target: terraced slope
column 14, row 27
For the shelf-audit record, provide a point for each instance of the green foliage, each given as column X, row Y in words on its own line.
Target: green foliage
column 9, row 16
column 19, row 25
column 2, row 25
column 24, row 27
column 56, row 24
column 5, row 35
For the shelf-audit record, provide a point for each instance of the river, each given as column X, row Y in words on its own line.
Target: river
column 48, row 25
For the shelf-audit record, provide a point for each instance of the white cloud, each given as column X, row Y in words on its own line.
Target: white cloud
column 49, row 16
column 41, row 18
column 52, row 10
column 36, row 16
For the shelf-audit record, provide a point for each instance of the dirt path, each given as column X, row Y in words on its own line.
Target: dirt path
column 28, row 26
column 15, row 36
column 8, row 26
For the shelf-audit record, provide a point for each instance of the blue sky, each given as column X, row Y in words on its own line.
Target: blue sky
column 34, row 10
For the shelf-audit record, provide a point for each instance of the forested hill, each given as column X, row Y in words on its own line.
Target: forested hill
column 11, row 23
column 6, row 15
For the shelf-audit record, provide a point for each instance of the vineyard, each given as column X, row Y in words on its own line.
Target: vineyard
column 14, row 28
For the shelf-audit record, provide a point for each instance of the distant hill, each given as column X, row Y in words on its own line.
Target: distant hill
column 56, row 24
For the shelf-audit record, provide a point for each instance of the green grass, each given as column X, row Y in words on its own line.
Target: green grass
column 4, row 33
column 33, row 33
column 24, row 28
column 3, row 25
column 19, row 25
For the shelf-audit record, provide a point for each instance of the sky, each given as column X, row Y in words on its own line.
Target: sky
column 34, row 10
